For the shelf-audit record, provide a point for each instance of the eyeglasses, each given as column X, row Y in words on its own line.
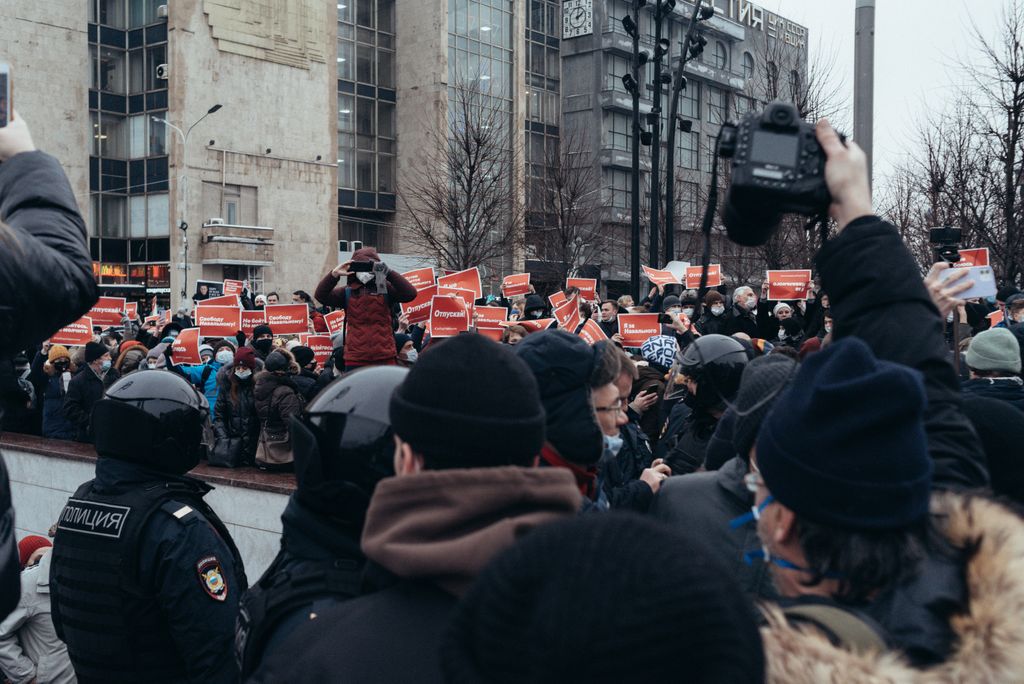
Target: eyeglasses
column 614, row 408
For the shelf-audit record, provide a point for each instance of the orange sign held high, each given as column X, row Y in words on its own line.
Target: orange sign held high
column 421, row 278
column 660, row 277
column 568, row 314
column 321, row 346
column 449, row 316
column 233, row 287
column 107, row 311
column 74, row 334
column 556, row 299
column 972, row 257
column 636, row 328
column 218, row 321
column 591, row 332
column 464, row 280
column 515, row 285
column 223, row 300
column 335, row 321
column 693, row 274
column 185, row 347
column 288, row 319
column 249, row 321
column 535, row 324
column 792, row 284
column 587, row 287
column 418, row 310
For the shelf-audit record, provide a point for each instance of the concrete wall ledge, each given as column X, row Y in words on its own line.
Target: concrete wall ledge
column 44, row 473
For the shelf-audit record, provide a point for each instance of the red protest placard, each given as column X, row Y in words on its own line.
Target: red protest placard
column 249, row 321
column 464, row 294
column 515, row 285
column 464, row 280
column 107, row 311
column 288, row 319
column 693, row 274
column 792, row 284
column 995, row 318
column 492, row 333
column 557, row 299
column 218, row 321
column 223, row 300
column 150, row 319
column 185, row 347
column 490, row 316
column 660, row 277
column 536, row 324
column 418, row 310
column 636, row 328
column 587, row 287
column 335, row 321
column 568, row 314
column 321, row 346
column 448, row 316
column 972, row 257
column 74, row 334
column 131, row 310
column 421, row 278
column 591, row 332
column 233, row 287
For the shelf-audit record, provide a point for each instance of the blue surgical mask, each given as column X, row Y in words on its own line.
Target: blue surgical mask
column 612, row 445
column 991, row 299
column 105, row 365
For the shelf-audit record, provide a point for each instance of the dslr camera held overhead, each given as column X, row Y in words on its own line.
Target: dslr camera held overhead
column 482, row 314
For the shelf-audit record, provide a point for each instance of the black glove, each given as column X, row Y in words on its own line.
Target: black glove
column 240, row 338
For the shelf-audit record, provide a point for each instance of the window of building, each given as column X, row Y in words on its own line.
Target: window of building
column 748, row 65
column 111, row 136
column 718, row 102
column 794, row 85
column 137, row 144
column 143, row 12
column 157, row 135
column 721, row 60
column 113, row 216
column 113, row 70
column 616, row 67
column 708, row 152
column 687, row 202
column 686, row 149
column 155, row 56
column 365, row 171
column 365, row 63
column 111, row 13
column 618, row 125
column 157, row 215
column 619, row 182
column 743, row 104
column 364, row 12
column 346, row 60
column 236, row 204
column 689, row 101
column 772, row 87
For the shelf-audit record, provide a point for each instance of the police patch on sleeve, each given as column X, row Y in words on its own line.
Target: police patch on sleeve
column 212, row 579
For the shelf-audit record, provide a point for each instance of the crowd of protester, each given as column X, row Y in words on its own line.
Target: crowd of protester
column 788, row 491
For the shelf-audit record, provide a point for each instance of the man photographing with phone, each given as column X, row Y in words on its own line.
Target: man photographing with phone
column 368, row 293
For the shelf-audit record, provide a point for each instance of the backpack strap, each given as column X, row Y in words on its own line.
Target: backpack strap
column 845, row 628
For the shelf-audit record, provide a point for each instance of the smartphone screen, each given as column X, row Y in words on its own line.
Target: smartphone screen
column 5, row 94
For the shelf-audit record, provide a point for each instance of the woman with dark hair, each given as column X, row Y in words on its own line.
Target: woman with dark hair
column 236, row 426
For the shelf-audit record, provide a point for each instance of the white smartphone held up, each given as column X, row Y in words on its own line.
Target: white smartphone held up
column 6, row 99
column 984, row 281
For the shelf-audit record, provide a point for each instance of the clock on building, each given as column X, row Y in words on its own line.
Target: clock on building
column 577, row 18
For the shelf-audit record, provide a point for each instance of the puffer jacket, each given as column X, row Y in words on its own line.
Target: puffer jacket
column 45, row 268
column 237, row 417
column 277, row 399
column 988, row 643
column 51, row 388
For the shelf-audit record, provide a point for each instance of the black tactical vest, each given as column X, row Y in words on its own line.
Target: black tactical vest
column 112, row 625
column 281, row 591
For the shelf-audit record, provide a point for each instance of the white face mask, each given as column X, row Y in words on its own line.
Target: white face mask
column 718, row 310
column 752, row 303
column 828, row 329
column 411, row 356
column 782, row 334
column 364, row 277
column 243, row 374
column 224, row 357
column 688, row 312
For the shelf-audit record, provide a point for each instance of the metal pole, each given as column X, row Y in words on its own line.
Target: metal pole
column 634, row 266
column 655, row 120
column 864, row 79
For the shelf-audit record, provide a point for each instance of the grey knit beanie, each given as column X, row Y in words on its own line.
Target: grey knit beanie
column 994, row 350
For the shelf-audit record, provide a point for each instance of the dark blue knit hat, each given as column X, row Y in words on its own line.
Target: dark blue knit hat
column 845, row 444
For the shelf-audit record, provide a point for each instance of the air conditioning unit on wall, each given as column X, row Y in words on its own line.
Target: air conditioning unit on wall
column 161, row 11
column 163, row 71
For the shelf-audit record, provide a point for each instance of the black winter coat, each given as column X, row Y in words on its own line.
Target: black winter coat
column 709, row 324
column 871, row 303
column 705, row 504
column 621, row 479
column 1010, row 390
column 306, row 382
column 277, row 400
column 84, row 390
column 46, row 276
column 237, row 417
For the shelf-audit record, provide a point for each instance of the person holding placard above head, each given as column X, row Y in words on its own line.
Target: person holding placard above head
column 368, row 294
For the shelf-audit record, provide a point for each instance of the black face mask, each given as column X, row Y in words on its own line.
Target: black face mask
column 263, row 346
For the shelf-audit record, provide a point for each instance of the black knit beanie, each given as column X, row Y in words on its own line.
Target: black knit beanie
column 562, row 364
column 262, row 329
column 845, row 445
column 93, row 351
column 470, row 402
column 763, row 380
column 303, row 355
column 609, row 598
column 1000, row 428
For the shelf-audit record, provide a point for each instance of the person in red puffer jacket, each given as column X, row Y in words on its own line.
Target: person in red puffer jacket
column 369, row 339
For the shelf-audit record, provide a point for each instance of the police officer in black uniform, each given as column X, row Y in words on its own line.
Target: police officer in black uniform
column 343, row 446
column 145, row 579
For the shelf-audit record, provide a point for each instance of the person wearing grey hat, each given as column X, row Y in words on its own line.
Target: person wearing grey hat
column 709, row 501
column 994, row 363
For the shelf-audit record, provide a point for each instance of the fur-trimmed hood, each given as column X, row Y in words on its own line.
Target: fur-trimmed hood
column 990, row 635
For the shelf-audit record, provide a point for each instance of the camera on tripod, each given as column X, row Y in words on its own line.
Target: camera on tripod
column 946, row 241
column 778, row 168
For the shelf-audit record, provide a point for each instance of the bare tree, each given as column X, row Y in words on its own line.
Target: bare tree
column 565, row 208
column 466, row 206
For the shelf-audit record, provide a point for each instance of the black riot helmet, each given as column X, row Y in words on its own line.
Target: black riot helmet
column 716, row 363
column 343, row 442
column 152, row 417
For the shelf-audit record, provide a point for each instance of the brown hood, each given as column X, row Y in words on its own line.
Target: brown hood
column 990, row 644
column 365, row 254
column 446, row 525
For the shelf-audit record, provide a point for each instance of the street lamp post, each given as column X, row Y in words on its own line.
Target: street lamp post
column 183, row 182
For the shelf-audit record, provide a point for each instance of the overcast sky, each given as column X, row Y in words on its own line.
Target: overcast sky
column 918, row 44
